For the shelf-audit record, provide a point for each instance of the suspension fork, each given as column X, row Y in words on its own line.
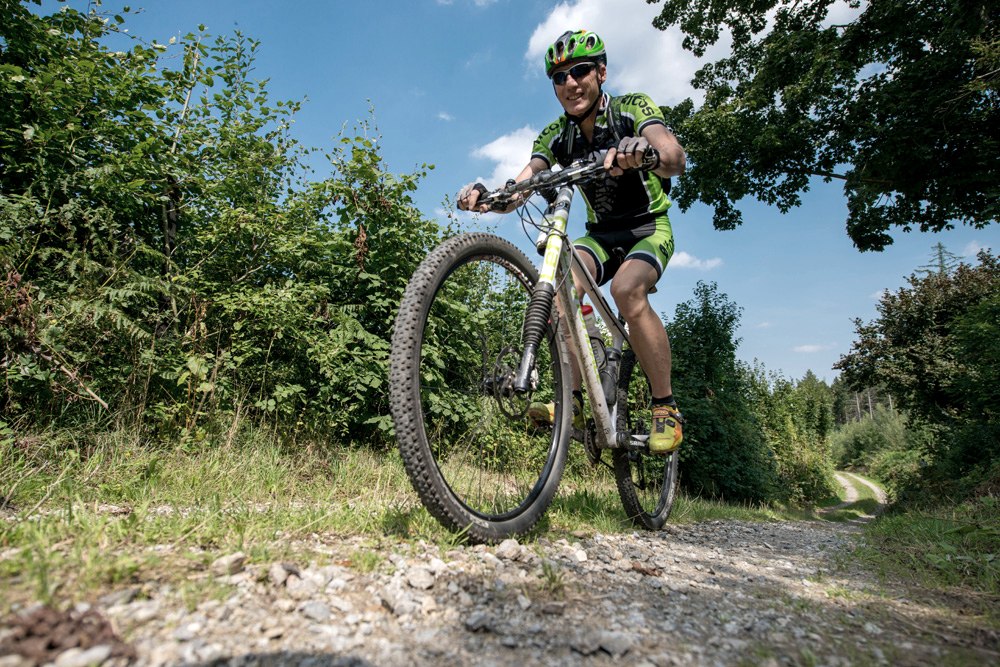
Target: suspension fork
column 540, row 307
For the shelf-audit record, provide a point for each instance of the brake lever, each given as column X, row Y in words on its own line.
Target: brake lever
column 650, row 159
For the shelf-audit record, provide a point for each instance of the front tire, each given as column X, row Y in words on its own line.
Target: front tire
column 479, row 465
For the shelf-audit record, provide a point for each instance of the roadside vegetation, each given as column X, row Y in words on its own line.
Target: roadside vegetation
column 109, row 512
column 195, row 326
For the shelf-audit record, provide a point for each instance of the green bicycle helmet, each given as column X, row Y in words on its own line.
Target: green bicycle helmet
column 572, row 46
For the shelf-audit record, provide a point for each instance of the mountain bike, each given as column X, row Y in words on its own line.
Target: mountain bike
column 481, row 335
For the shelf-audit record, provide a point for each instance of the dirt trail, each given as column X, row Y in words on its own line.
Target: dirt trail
column 851, row 495
column 715, row 593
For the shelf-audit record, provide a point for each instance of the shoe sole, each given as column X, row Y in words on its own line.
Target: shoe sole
column 659, row 452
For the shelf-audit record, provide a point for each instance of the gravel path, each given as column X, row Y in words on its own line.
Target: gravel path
column 876, row 489
column 716, row 593
column 851, row 495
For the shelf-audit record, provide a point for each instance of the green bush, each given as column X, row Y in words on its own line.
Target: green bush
column 854, row 443
column 795, row 419
column 165, row 252
column 934, row 348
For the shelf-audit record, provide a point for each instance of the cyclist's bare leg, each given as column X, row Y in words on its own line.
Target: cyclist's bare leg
column 630, row 289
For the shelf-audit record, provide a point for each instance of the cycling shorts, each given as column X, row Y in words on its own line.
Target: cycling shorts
column 652, row 242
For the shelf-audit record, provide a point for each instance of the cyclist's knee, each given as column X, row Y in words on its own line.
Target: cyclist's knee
column 634, row 280
column 630, row 296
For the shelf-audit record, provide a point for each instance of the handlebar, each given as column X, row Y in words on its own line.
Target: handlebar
column 579, row 172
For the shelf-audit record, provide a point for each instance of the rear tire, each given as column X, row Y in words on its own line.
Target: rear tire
column 647, row 483
column 479, row 465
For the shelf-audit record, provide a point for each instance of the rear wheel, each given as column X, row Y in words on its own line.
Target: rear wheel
column 478, row 463
column 646, row 483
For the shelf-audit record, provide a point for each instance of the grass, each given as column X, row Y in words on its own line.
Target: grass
column 114, row 513
column 948, row 548
column 861, row 509
column 111, row 511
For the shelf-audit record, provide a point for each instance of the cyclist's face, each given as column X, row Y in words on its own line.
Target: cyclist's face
column 576, row 95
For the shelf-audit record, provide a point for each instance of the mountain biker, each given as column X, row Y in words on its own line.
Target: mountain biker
column 629, row 239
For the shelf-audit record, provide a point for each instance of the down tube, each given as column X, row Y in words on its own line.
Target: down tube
column 558, row 259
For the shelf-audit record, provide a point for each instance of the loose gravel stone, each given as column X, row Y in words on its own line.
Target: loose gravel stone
column 420, row 578
column 75, row 657
column 316, row 611
column 229, row 565
column 715, row 593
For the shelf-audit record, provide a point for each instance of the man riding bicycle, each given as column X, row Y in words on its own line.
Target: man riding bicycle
column 629, row 239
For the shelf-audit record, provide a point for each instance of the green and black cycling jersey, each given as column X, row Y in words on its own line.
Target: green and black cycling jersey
column 636, row 197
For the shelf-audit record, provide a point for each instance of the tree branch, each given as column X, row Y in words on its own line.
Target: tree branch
column 73, row 376
column 842, row 177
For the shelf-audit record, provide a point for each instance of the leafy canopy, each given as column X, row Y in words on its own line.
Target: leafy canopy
column 900, row 103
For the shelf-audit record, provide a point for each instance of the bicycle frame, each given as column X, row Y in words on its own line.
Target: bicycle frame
column 556, row 274
column 458, row 468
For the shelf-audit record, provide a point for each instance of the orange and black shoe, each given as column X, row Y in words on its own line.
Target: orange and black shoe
column 666, row 432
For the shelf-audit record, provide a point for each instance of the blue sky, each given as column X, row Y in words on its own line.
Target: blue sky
column 459, row 84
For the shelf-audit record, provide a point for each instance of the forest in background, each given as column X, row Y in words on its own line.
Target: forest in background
column 171, row 266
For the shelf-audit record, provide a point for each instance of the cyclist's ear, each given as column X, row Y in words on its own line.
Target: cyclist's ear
column 602, row 72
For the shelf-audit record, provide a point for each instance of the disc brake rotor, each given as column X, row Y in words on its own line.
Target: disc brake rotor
column 511, row 404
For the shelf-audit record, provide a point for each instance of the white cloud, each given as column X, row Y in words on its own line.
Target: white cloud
column 877, row 296
column 510, row 153
column 445, row 116
column 841, row 13
column 683, row 260
column 641, row 58
column 812, row 349
column 764, row 325
column 972, row 249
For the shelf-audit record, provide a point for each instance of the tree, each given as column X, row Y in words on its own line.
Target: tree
column 934, row 347
column 911, row 348
column 725, row 453
column 900, row 103
column 814, row 406
column 942, row 261
column 165, row 251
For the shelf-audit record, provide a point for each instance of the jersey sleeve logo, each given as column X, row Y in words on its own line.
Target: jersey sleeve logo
column 642, row 106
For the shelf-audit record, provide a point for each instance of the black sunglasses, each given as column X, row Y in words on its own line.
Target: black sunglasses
column 576, row 71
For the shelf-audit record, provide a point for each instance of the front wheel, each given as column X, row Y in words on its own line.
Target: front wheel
column 647, row 483
column 478, row 462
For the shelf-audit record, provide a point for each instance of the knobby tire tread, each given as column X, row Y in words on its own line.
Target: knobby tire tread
column 405, row 396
